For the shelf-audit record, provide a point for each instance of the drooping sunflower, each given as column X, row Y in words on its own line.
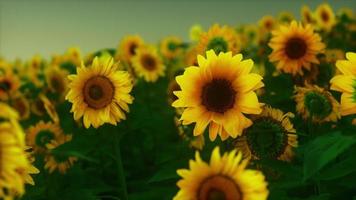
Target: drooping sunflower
column 148, row 64
column 41, row 134
column 271, row 136
column 127, row 48
column 56, row 79
column 13, row 159
column 57, row 160
column 307, row 15
column 346, row 83
column 219, row 39
column 325, row 17
column 316, row 103
column 9, row 84
column 218, row 92
column 100, row 93
column 171, row 47
column 295, row 47
column 225, row 177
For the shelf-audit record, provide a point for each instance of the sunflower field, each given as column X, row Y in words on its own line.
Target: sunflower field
column 249, row 112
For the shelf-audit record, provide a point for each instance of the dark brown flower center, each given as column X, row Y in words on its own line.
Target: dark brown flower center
column 148, row 62
column 57, row 84
column 5, row 85
column 296, row 48
column 325, row 16
column 218, row 95
column 20, row 106
column 98, row 92
column 132, row 48
column 219, row 187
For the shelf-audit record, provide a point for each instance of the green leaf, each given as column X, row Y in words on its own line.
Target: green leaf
column 323, row 150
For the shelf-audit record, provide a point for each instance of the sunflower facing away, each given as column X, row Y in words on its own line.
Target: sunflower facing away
column 219, row 39
column 171, row 47
column 100, row 93
column 127, row 47
column 57, row 160
column 41, row 134
column 295, row 47
column 316, row 103
column 325, row 17
column 271, row 136
column 346, row 83
column 225, row 177
column 218, row 92
column 13, row 159
column 148, row 64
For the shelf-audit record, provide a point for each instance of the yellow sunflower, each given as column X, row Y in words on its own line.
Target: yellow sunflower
column 346, row 83
column 22, row 106
column 12, row 155
column 100, row 93
column 56, row 79
column 171, row 47
column 218, row 92
column 325, row 17
column 219, row 39
column 347, row 12
column 148, row 64
column 42, row 105
column 190, row 58
column 195, row 32
column 332, row 55
column 57, row 160
column 266, row 24
column 39, row 135
column 271, row 136
column 9, row 84
column 307, row 15
column 31, row 169
column 225, row 177
column 285, row 17
column 295, row 47
column 73, row 55
column 316, row 103
column 127, row 48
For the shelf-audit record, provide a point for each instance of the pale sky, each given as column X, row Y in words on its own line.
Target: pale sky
column 29, row 27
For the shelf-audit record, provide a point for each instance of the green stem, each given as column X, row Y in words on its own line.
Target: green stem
column 122, row 189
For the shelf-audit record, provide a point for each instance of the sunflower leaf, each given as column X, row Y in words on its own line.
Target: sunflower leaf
column 323, row 150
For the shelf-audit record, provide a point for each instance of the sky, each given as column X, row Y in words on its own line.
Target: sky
column 45, row 27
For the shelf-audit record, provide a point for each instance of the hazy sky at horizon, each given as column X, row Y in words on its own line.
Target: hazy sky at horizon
column 29, row 27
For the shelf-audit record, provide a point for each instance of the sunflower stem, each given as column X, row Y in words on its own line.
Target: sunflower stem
column 122, row 189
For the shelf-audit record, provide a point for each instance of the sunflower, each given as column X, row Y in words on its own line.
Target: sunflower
column 100, row 93
column 307, row 15
column 285, row 17
column 148, row 64
column 346, row 12
column 325, row 17
column 271, row 136
column 31, row 169
column 195, row 32
column 22, row 106
column 42, row 105
column 9, row 84
column 225, row 177
column 39, row 135
column 12, row 155
column 219, row 39
column 316, row 103
column 346, row 83
column 57, row 160
column 171, row 47
column 266, row 24
column 218, row 92
column 56, row 79
column 190, row 58
column 295, row 47
column 332, row 55
column 73, row 55
column 250, row 35
column 127, row 48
